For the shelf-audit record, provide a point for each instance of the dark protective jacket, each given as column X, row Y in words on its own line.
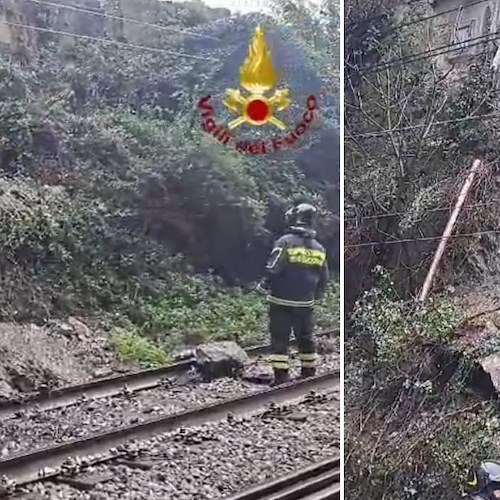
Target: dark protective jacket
column 297, row 270
column 488, row 492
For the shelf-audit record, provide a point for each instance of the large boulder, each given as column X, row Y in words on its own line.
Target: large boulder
column 220, row 359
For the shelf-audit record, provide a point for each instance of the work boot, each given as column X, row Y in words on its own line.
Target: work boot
column 307, row 371
column 280, row 377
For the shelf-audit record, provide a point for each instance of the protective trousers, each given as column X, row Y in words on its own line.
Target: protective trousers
column 284, row 319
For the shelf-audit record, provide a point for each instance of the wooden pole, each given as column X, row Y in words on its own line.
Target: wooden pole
column 448, row 230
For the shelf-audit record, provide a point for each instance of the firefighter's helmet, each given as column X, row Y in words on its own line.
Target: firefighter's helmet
column 303, row 215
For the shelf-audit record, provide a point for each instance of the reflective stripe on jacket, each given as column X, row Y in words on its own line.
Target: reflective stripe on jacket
column 297, row 270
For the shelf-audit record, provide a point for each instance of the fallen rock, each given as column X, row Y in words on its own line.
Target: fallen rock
column 220, row 359
column 5, row 390
column 258, row 373
column 102, row 372
column 23, row 383
column 298, row 416
column 70, row 328
column 61, row 328
column 183, row 354
column 82, row 331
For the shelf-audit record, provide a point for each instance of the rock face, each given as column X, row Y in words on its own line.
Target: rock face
column 220, row 359
column 96, row 18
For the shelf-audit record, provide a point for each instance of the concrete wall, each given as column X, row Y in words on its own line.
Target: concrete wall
column 465, row 24
column 100, row 21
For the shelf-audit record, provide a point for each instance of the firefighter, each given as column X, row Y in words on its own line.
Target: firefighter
column 484, row 482
column 296, row 276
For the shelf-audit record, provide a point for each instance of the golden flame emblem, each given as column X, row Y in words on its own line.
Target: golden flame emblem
column 257, row 75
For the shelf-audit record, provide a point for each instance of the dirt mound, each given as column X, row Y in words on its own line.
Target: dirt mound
column 480, row 303
column 57, row 354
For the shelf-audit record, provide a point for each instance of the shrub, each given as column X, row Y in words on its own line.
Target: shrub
column 132, row 346
column 395, row 325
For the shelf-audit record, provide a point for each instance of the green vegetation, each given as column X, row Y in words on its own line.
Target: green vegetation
column 463, row 438
column 428, row 459
column 132, row 346
column 412, row 429
column 395, row 325
column 201, row 312
column 328, row 310
column 225, row 314
column 410, row 363
column 115, row 204
column 197, row 310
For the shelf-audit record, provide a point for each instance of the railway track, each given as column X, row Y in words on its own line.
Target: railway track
column 320, row 481
column 50, row 462
column 110, row 386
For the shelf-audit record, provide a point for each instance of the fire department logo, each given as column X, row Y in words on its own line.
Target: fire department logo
column 256, row 104
column 257, row 76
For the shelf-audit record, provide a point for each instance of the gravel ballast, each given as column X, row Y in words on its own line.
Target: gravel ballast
column 35, row 429
column 212, row 461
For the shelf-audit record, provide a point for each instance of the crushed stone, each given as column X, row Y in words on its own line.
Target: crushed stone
column 212, row 461
column 33, row 429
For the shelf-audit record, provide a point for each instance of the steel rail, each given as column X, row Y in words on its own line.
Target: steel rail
column 44, row 463
column 315, row 481
column 331, row 493
column 110, row 386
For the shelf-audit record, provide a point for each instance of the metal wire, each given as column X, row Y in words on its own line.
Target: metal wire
column 431, row 210
column 428, row 54
column 119, row 18
column 112, row 42
column 422, row 125
column 433, row 16
column 427, row 238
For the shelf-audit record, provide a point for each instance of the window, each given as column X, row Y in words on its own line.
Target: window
column 487, row 21
column 463, row 34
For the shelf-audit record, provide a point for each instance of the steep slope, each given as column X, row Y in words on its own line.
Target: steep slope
column 426, row 370
column 118, row 192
